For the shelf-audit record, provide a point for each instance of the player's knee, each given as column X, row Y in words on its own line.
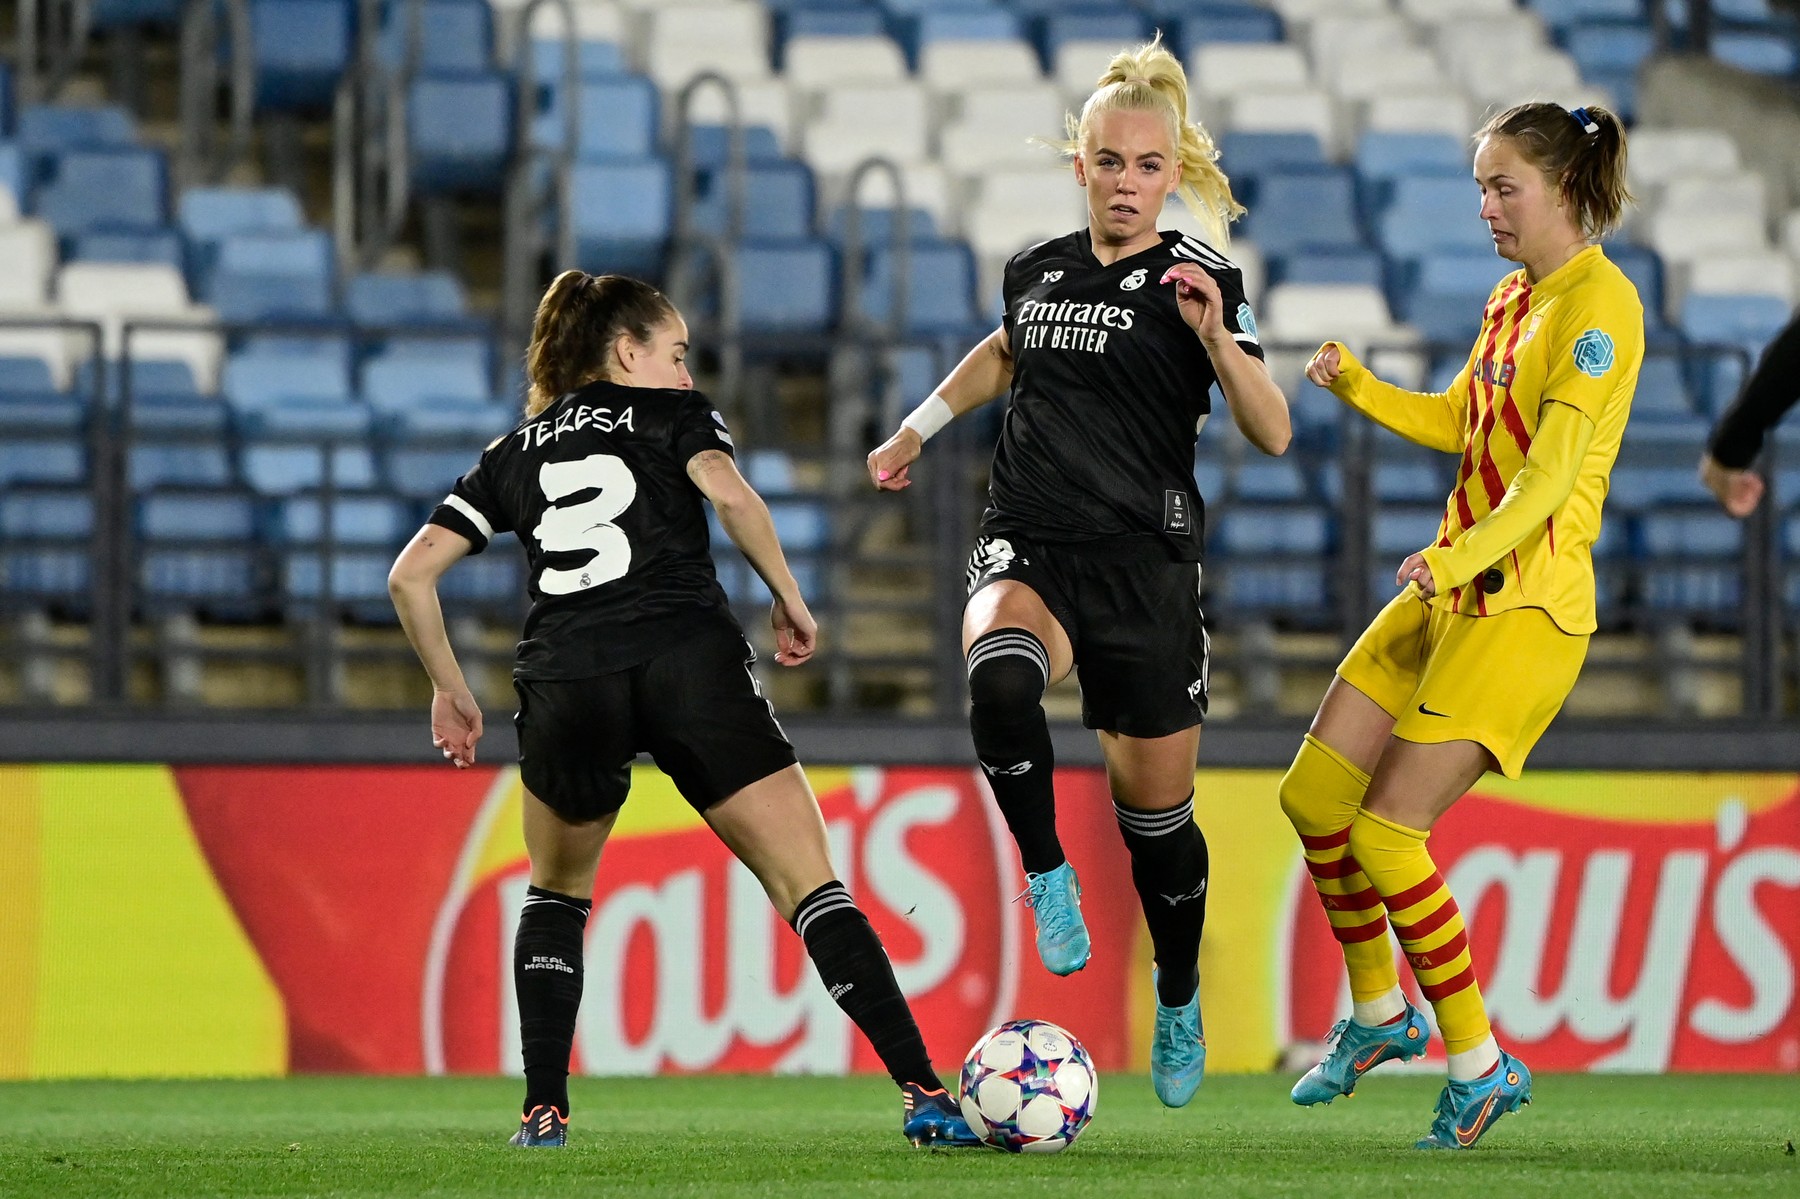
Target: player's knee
column 1008, row 671
column 1309, row 807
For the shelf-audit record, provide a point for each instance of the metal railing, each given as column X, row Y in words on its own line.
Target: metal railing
column 204, row 157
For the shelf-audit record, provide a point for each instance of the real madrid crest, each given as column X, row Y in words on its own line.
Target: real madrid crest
column 1134, row 280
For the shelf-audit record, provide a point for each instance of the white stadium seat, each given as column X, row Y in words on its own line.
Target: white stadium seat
column 1339, row 43
column 953, row 65
column 1758, row 274
column 1790, row 235
column 767, row 103
column 1658, row 155
column 595, row 21
column 1306, row 10
column 682, row 42
column 993, row 127
column 818, row 62
column 1435, row 12
column 928, row 188
column 1683, row 236
column 1385, row 71
column 1469, row 47
column 855, row 122
column 1226, row 68
column 1304, row 110
column 1313, row 312
column 113, row 293
column 28, row 248
column 1731, row 193
column 1433, row 111
column 1078, row 66
column 1016, row 209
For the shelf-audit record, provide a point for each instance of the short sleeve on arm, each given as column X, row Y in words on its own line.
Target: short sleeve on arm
column 1240, row 321
column 701, row 428
column 471, row 508
column 1601, row 346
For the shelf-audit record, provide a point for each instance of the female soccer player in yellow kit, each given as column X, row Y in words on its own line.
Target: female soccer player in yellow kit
column 1464, row 670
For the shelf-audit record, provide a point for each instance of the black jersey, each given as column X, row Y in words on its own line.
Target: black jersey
column 615, row 535
column 1110, row 387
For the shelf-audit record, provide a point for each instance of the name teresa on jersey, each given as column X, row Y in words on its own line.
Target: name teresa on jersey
column 1068, row 325
column 572, row 418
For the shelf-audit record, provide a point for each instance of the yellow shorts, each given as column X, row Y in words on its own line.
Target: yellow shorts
column 1495, row 680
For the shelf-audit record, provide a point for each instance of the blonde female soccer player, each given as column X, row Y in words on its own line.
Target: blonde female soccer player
column 1090, row 551
column 1464, row 670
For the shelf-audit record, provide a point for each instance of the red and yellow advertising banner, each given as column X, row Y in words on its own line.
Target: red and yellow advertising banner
column 256, row 921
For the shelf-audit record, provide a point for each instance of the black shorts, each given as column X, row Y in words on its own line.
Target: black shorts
column 695, row 708
column 1141, row 646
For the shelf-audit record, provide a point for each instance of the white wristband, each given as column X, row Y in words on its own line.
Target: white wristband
column 929, row 417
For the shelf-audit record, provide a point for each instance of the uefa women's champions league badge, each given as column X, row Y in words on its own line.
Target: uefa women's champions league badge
column 1593, row 353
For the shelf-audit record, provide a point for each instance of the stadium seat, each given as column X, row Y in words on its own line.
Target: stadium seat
column 623, row 218
column 298, row 50
column 258, row 380
column 843, row 135
column 1217, row 72
column 46, row 129
column 1744, row 320
column 948, row 65
column 1328, row 266
column 617, row 117
column 815, row 63
column 393, row 382
column 391, row 298
column 1445, row 293
column 168, row 515
column 459, row 130
column 1432, row 212
column 683, row 41
column 453, row 36
column 1302, row 110
column 940, row 288
column 98, row 189
column 46, row 537
column 207, row 215
column 1272, row 562
column 1300, row 210
column 1691, row 565
column 993, row 128
column 1246, row 156
column 1444, row 112
column 273, row 275
column 28, row 248
column 356, row 520
column 778, row 201
column 1200, row 23
column 784, row 287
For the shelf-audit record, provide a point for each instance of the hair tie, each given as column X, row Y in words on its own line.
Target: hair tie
column 1586, row 120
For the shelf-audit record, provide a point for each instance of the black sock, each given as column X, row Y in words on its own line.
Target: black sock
column 547, row 975
column 856, row 971
column 1169, row 865
column 1008, row 671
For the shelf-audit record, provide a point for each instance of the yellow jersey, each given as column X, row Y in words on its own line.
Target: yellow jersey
column 1575, row 338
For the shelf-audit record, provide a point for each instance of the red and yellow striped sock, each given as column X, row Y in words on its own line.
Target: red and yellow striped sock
column 1427, row 922
column 1321, row 794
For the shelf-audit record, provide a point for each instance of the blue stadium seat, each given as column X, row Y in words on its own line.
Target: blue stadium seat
column 618, row 117
column 785, row 287
column 40, row 460
column 127, row 245
column 778, row 201
column 1432, row 212
column 1268, row 481
column 1771, row 51
column 270, row 275
column 1273, row 562
column 803, row 525
column 284, row 466
column 118, row 14
column 12, row 173
column 6, row 101
column 1692, row 564
column 622, row 215
column 1643, row 266
column 390, row 298
column 172, row 516
column 1655, row 466
column 877, row 225
column 1747, row 321
column 1118, row 24
column 593, row 60
column 1299, row 210
column 98, row 189
column 459, row 130
column 46, row 514
column 215, row 581
column 940, row 290
column 454, row 35
column 1246, row 156
column 45, row 130
column 1445, row 292
column 427, row 472
column 954, row 24
column 1328, row 266
column 299, row 49
column 355, row 520
column 258, row 380
column 393, row 382
column 1558, row 13
column 286, row 419
column 1662, row 393
column 45, row 548
column 1609, row 53
column 191, row 460
column 26, row 381
column 1384, row 155
column 770, row 472
column 844, row 18
column 710, row 145
column 207, row 215
column 1197, row 23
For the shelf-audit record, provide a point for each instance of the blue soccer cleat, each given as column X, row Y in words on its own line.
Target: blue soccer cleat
column 1357, row 1049
column 1054, row 898
column 931, row 1118
column 1177, row 1052
column 542, row 1127
column 1466, row 1110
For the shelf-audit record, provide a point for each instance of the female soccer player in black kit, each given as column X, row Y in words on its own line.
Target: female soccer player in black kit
column 630, row 646
column 1090, row 551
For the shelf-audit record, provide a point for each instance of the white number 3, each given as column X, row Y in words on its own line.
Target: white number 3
column 585, row 526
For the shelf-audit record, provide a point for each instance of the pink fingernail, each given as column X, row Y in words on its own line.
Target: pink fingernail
column 882, row 475
column 1168, row 274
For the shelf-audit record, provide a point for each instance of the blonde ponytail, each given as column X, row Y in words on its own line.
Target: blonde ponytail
column 1150, row 79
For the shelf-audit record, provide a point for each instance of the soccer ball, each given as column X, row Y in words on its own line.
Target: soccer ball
column 1028, row 1087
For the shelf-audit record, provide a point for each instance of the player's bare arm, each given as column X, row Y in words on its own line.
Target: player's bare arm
column 745, row 519
column 985, row 372
column 1257, row 406
column 412, row 584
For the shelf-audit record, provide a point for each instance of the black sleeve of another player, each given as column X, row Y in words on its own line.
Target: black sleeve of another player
column 472, row 509
column 1770, row 392
column 1238, row 317
column 699, row 428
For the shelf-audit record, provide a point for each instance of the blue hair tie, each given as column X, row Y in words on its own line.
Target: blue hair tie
column 1586, row 120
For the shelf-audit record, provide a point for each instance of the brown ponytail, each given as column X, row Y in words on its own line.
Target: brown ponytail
column 1150, row 79
column 1587, row 167
column 579, row 319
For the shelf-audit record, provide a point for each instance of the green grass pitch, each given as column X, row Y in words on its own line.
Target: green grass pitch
column 1586, row 1137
